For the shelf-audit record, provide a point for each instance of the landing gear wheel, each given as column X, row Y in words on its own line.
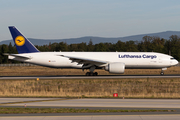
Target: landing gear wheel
column 88, row 74
column 91, row 74
column 95, row 74
column 162, row 73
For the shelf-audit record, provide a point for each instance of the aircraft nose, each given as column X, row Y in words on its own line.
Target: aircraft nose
column 176, row 62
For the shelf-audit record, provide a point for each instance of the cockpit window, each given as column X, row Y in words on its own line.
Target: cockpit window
column 172, row 58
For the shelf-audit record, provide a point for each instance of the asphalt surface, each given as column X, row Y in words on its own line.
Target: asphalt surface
column 123, row 104
column 95, row 117
column 88, row 77
column 96, row 103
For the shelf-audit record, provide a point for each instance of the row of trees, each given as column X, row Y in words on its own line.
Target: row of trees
column 148, row 44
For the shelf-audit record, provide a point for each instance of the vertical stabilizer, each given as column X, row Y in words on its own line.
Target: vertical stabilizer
column 23, row 45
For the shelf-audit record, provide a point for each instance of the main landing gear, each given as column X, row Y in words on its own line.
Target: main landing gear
column 91, row 73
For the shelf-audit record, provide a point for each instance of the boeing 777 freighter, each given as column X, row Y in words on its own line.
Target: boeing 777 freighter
column 114, row 62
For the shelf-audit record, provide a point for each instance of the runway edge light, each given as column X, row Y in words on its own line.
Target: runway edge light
column 115, row 95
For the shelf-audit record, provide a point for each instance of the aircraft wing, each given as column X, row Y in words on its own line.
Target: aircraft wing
column 87, row 63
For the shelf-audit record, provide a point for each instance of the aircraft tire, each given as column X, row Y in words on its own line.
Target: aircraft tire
column 87, row 74
column 161, row 73
column 95, row 74
column 91, row 74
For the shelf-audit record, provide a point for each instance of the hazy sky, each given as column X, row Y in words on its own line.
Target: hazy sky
column 58, row 19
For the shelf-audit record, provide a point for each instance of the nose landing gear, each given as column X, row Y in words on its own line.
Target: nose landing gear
column 162, row 71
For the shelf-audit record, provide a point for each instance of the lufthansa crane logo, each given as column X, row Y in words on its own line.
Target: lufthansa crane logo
column 20, row 40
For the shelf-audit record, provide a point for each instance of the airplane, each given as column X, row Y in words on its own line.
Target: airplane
column 113, row 62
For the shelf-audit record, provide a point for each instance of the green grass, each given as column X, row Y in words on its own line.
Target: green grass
column 67, row 110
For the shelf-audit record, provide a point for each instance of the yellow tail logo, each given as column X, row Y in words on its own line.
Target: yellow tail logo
column 20, row 40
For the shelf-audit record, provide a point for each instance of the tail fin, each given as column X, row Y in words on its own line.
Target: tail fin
column 23, row 45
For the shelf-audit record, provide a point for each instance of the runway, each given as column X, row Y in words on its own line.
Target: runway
column 96, row 117
column 163, row 104
column 87, row 77
column 89, row 103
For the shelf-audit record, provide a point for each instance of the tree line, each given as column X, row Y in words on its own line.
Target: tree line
column 148, row 44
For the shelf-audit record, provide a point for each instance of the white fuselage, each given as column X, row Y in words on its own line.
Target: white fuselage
column 132, row 60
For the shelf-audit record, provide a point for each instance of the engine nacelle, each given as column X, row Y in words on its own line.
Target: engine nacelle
column 116, row 67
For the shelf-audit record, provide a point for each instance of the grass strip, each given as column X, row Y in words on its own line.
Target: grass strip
column 67, row 110
column 33, row 101
column 93, row 88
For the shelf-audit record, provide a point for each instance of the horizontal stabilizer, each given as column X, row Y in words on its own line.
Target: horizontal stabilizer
column 18, row 56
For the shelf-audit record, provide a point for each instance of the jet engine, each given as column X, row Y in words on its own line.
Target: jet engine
column 116, row 67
